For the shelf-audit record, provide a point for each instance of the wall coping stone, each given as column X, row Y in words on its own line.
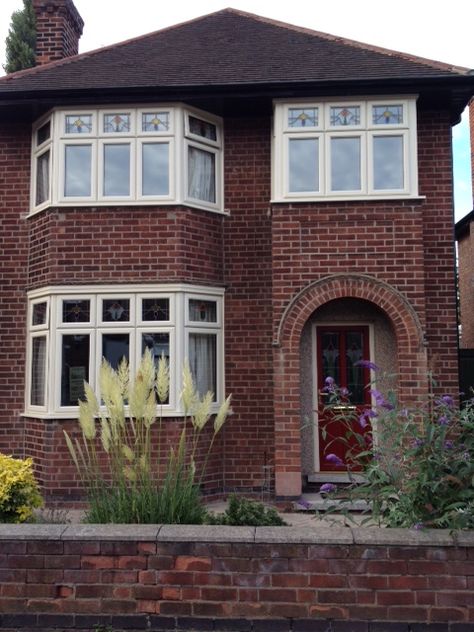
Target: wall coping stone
column 374, row 536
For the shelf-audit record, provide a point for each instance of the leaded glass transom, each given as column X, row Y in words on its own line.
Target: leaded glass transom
column 202, row 311
column 202, row 128
column 116, row 310
column 155, row 309
column 346, row 115
column 44, row 133
column 76, row 311
column 40, row 311
column 116, row 123
column 307, row 117
column 155, row 121
column 78, row 123
column 387, row 114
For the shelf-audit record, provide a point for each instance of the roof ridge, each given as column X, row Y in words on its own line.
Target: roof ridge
column 277, row 23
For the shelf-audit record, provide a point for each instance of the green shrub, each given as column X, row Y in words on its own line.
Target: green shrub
column 131, row 487
column 19, row 493
column 244, row 512
column 419, row 469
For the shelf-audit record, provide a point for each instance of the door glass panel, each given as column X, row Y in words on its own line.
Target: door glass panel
column 74, row 368
column 115, row 348
column 355, row 373
column 330, row 355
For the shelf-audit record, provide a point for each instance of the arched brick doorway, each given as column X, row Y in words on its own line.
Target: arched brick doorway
column 411, row 354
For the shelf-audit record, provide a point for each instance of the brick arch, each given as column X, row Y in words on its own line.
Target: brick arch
column 403, row 317
column 411, row 352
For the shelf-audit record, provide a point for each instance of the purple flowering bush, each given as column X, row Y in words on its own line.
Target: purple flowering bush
column 419, row 471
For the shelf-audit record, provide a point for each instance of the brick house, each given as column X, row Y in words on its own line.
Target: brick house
column 271, row 202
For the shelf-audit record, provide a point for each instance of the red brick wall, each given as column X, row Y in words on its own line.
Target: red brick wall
column 267, row 256
column 58, row 29
column 263, row 577
column 125, row 245
column 15, row 144
column 248, row 438
column 466, row 287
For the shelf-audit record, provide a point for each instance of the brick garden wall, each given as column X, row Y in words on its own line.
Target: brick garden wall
column 236, row 578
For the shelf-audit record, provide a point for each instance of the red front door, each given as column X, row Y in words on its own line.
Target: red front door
column 339, row 349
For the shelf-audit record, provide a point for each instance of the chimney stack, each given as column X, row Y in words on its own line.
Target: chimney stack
column 58, row 30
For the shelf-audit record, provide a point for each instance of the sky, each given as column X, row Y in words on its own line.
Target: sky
column 435, row 30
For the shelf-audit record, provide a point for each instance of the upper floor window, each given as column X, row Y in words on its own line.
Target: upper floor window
column 164, row 155
column 345, row 149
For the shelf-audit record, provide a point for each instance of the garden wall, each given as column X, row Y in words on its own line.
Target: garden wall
column 235, row 578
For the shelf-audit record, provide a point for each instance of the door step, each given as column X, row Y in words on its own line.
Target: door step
column 334, row 477
column 318, row 502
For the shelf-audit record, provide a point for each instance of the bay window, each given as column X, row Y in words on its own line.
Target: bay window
column 97, row 156
column 345, row 149
column 72, row 329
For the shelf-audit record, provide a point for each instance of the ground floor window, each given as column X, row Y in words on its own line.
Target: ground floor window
column 71, row 329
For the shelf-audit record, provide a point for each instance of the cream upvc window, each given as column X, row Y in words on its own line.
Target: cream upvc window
column 71, row 329
column 345, row 149
column 151, row 155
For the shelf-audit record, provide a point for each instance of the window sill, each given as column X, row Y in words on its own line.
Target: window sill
column 65, row 415
column 124, row 203
column 361, row 198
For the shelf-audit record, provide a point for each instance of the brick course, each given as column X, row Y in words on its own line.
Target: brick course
column 216, row 582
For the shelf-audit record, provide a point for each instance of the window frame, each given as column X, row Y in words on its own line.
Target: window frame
column 366, row 130
column 178, row 137
column 177, row 327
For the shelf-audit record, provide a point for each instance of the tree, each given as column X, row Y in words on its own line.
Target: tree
column 21, row 39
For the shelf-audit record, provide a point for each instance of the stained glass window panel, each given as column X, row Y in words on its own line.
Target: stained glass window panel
column 76, row 311
column 78, row 171
column 303, row 164
column 345, row 164
column 155, row 169
column 42, row 178
column 330, row 355
column 38, row 371
column 115, row 348
column 116, row 123
column 74, row 368
column 346, row 115
column 44, row 133
column 202, row 128
column 387, row 114
column 40, row 311
column 155, row 309
column 116, row 170
column 203, row 362
column 202, row 311
column 354, row 373
column 155, row 121
column 201, row 175
column 388, row 162
column 78, row 123
column 116, row 310
column 307, row 117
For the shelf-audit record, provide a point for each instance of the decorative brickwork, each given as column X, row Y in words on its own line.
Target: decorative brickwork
column 236, row 578
column 59, row 28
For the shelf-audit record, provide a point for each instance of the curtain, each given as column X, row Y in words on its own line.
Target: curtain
column 201, row 175
column 42, row 178
column 202, row 362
